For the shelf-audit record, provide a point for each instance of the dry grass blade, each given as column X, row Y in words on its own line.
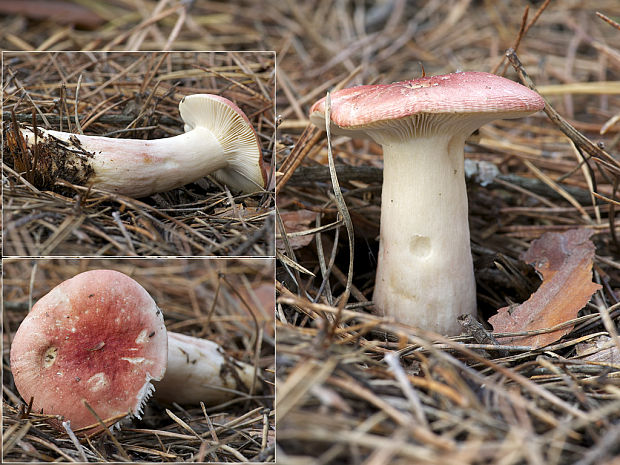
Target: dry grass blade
column 579, row 139
column 106, row 429
column 74, row 440
column 608, row 20
column 343, row 210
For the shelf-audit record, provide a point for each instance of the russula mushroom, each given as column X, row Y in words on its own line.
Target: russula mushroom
column 218, row 140
column 425, row 274
column 99, row 337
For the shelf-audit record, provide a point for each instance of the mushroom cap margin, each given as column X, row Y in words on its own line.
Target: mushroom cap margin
column 450, row 94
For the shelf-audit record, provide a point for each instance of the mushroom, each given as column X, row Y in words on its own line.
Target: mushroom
column 99, row 337
column 199, row 370
column 218, row 140
column 425, row 274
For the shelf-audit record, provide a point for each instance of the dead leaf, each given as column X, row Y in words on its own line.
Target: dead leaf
column 261, row 302
column 57, row 11
column 296, row 221
column 565, row 262
column 246, row 212
column 601, row 350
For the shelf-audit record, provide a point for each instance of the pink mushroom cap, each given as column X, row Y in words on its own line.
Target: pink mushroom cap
column 449, row 94
column 98, row 337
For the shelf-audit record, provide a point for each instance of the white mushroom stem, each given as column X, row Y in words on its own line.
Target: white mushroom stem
column 135, row 167
column 425, row 274
column 198, row 370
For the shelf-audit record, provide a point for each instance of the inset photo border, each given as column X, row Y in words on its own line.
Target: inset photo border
column 85, row 322
column 138, row 153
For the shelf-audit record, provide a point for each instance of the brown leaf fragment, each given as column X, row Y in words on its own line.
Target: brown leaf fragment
column 601, row 350
column 57, row 11
column 297, row 221
column 565, row 262
column 261, row 300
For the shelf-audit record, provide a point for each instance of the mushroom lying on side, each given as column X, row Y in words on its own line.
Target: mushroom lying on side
column 218, row 140
column 100, row 337
column 425, row 274
column 199, row 371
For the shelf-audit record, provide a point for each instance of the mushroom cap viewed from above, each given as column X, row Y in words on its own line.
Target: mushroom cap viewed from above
column 479, row 96
column 97, row 337
column 425, row 274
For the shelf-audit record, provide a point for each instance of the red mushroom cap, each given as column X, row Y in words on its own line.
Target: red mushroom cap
column 453, row 94
column 99, row 337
